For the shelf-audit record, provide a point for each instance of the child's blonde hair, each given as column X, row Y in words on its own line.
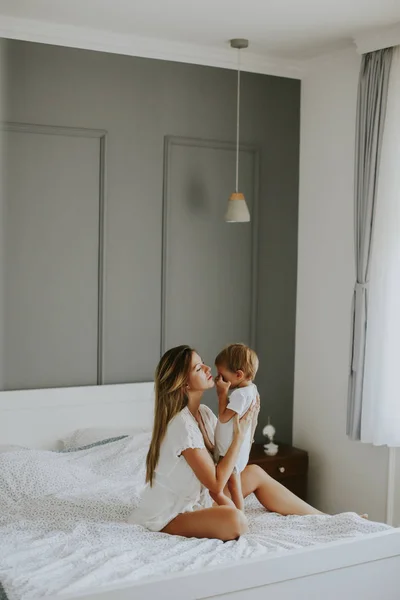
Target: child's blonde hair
column 239, row 357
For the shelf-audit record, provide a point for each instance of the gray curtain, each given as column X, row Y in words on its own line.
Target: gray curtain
column 371, row 108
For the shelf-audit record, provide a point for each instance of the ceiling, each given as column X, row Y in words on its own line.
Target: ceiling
column 282, row 29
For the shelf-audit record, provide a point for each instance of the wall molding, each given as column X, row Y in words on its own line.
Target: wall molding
column 101, row 135
column 169, row 142
column 376, row 39
column 391, row 489
column 86, row 38
column 133, row 45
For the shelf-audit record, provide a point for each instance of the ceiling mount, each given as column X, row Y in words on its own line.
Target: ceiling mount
column 239, row 43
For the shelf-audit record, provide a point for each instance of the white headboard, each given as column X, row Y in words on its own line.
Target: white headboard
column 40, row 418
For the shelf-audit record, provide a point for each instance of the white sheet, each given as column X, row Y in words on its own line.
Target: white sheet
column 63, row 529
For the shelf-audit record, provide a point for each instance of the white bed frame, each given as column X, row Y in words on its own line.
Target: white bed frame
column 366, row 568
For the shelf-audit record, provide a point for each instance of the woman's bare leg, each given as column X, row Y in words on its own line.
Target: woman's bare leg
column 274, row 496
column 219, row 522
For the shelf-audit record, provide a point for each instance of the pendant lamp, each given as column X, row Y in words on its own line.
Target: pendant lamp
column 237, row 211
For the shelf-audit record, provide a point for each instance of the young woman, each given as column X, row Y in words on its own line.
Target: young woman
column 180, row 470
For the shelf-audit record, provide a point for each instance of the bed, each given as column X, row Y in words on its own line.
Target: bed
column 63, row 530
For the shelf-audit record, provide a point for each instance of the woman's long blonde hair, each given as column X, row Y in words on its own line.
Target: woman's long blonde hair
column 170, row 384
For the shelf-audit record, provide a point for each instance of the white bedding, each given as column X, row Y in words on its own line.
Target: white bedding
column 63, row 529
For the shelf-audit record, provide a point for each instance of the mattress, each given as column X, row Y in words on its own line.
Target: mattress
column 63, row 524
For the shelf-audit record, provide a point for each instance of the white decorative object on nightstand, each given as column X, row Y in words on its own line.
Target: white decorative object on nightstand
column 269, row 431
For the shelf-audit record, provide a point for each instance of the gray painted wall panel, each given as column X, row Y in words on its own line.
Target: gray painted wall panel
column 51, row 256
column 208, row 265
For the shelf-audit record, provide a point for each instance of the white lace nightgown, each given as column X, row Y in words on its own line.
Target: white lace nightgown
column 175, row 488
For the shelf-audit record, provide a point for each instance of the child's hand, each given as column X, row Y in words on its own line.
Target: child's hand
column 221, row 385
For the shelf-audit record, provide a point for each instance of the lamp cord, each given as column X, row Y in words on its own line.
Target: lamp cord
column 238, row 123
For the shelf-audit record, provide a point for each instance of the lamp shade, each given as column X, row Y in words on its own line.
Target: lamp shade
column 237, row 211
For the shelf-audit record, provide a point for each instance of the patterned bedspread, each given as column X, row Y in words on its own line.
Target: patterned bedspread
column 63, row 524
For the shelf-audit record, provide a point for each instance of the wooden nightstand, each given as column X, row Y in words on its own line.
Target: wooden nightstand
column 289, row 466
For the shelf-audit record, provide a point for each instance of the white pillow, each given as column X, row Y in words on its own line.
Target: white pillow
column 10, row 448
column 90, row 435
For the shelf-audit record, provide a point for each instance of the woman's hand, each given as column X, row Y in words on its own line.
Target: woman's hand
column 241, row 425
column 255, row 417
column 253, row 410
column 256, row 406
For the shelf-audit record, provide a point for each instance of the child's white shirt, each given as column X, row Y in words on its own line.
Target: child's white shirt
column 240, row 401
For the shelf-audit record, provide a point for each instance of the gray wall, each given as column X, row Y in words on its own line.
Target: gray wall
column 3, row 115
column 208, row 265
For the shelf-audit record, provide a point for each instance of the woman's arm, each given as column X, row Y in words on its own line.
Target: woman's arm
column 215, row 477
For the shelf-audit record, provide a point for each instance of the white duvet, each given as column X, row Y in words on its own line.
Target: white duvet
column 63, row 524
